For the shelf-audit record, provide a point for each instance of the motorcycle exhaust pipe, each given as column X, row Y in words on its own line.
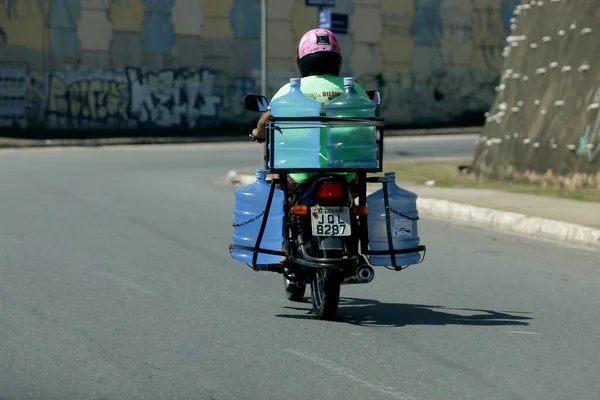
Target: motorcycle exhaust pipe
column 363, row 274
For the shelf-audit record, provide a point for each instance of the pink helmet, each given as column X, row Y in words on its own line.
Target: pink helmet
column 317, row 40
column 319, row 53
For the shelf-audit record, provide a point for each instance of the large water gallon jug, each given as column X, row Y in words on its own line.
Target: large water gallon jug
column 351, row 147
column 297, row 146
column 403, row 223
column 250, row 206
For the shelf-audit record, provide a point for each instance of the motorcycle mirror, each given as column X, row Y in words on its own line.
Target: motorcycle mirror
column 375, row 96
column 253, row 102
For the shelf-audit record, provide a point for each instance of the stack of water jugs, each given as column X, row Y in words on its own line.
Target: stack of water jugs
column 347, row 147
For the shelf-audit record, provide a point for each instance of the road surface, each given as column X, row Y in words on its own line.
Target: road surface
column 116, row 283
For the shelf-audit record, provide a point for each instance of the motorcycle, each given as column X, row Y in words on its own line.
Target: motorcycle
column 326, row 238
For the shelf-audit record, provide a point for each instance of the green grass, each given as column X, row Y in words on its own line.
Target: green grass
column 445, row 174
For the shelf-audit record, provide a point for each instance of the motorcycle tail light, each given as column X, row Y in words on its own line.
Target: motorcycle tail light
column 330, row 191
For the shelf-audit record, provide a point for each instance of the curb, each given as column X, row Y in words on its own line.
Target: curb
column 505, row 221
column 36, row 143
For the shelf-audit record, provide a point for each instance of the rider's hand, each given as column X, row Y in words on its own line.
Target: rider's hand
column 259, row 133
column 261, row 126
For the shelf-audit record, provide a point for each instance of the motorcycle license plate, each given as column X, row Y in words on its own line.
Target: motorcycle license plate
column 330, row 221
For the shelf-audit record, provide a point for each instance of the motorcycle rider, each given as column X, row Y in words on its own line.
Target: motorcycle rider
column 319, row 60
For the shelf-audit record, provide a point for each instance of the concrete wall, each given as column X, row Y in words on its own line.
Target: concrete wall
column 187, row 63
column 544, row 125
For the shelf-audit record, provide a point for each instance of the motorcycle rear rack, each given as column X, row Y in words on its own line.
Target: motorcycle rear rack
column 276, row 124
column 309, row 261
column 257, row 249
column 365, row 233
column 273, row 126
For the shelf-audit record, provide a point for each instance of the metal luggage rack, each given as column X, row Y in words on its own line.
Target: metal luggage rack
column 275, row 125
column 364, row 232
column 256, row 249
column 364, row 239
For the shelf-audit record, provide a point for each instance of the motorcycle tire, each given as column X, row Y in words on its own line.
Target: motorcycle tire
column 325, row 293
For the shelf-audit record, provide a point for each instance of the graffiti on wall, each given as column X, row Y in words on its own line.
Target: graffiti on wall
column 133, row 98
column 92, row 98
column 177, row 98
column 440, row 59
column 231, row 91
column 13, row 92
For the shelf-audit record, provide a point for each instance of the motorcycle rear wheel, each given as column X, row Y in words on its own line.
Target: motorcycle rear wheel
column 325, row 293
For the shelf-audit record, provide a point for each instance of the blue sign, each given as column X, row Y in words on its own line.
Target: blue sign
column 336, row 23
column 320, row 3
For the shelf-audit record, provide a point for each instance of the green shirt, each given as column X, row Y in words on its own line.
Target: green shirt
column 323, row 88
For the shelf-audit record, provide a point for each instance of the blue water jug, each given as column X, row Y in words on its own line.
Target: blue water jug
column 250, row 205
column 297, row 146
column 403, row 223
column 351, row 147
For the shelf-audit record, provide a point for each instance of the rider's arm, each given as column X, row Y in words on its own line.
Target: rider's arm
column 261, row 126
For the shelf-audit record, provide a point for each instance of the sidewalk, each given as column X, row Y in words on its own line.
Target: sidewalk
column 572, row 211
column 567, row 221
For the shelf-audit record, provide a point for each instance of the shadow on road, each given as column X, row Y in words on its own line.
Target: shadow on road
column 373, row 313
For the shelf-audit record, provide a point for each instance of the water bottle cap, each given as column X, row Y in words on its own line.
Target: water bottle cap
column 390, row 176
column 295, row 82
column 349, row 81
column 261, row 173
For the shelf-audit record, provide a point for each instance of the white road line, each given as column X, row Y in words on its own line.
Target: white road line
column 125, row 282
column 351, row 375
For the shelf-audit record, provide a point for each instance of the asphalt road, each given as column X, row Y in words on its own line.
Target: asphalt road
column 116, row 283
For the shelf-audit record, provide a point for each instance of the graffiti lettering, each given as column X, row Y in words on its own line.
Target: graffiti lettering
column 13, row 89
column 176, row 98
column 94, row 99
column 179, row 98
